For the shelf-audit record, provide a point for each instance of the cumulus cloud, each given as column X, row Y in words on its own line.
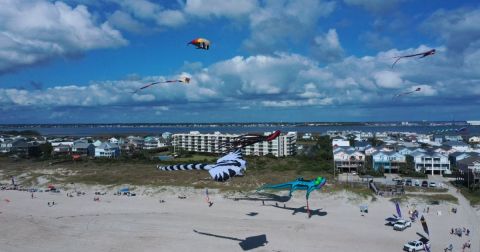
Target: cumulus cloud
column 278, row 81
column 32, row 32
column 145, row 12
column 458, row 29
column 277, row 23
column 327, row 47
column 220, row 8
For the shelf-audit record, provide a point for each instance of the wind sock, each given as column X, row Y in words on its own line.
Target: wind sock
column 398, row 210
column 424, row 225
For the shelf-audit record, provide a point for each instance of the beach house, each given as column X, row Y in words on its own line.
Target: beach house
column 107, row 149
column 431, row 162
column 389, row 161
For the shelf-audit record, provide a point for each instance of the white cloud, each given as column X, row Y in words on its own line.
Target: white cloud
column 388, row 79
column 458, row 29
column 281, row 80
column 123, row 20
column 327, row 47
column 280, row 22
column 220, row 8
column 31, row 32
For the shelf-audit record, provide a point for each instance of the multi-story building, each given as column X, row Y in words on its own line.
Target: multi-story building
column 284, row 145
column 431, row 162
column 107, row 149
column 348, row 159
column 390, row 161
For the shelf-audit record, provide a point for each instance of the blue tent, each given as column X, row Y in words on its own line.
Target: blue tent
column 124, row 190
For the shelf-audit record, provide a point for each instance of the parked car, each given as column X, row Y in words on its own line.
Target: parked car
column 417, row 182
column 408, row 182
column 432, row 184
column 424, row 183
column 418, row 245
column 401, row 225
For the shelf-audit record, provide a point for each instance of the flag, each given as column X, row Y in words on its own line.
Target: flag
column 424, row 225
column 398, row 210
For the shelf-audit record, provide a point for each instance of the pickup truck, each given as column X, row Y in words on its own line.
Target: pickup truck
column 418, row 245
column 401, row 225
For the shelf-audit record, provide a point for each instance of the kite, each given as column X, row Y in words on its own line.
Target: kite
column 397, row 206
column 230, row 165
column 422, row 55
column 299, row 184
column 226, row 167
column 409, row 92
column 200, row 43
column 249, row 139
column 424, row 225
column 185, row 80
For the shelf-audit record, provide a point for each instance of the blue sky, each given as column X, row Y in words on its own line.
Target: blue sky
column 78, row 61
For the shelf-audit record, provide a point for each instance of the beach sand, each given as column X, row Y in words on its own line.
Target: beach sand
column 142, row 223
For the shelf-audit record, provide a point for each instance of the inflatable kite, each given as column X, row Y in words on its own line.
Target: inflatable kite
column 200, row 43
column 298, row 184
column 226, row 167
column 230, row 165
column 185, row 80
column 422, row 55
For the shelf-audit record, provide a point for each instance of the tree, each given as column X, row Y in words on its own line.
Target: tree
column 46, row 149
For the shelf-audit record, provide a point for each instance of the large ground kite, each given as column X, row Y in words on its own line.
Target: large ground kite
column 185, row 80
column 422, row 55
column 200, row 43
column 298, row 184
column 232, row 164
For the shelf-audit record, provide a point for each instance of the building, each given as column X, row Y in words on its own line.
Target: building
column 431, row 162
column 474, row 139
column 154, row 143
column 6, row 146
column 107, row 149
column 362, row 145
column 473, row 123
column 83, row 148
column 470, row 170
column 284, row 145
column 389, row 161
column 61, row 150
column 457, row 145
column 457, row 156
column 340, row 142
column 348, row 159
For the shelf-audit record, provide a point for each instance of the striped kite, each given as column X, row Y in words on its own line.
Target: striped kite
column 230, row 165
column 200, row 43
column 185, row 80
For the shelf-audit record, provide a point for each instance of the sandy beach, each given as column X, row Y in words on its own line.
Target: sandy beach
column 143, row 223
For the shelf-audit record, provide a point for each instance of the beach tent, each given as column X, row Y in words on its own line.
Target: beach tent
column 124, row 190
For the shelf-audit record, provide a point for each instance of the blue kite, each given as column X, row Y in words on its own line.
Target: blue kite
column 298, row 184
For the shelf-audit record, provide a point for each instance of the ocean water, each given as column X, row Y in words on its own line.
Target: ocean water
column 156, row 130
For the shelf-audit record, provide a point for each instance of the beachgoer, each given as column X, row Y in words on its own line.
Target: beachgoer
column 263, row 202
column 428, row 209
column 32, row 195
column 468, row 232
column 452, row 232
column 210, row 204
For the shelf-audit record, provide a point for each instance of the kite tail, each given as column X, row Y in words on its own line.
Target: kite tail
column 275, row 186
column 184, row 167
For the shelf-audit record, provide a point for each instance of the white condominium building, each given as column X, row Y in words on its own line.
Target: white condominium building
column 284, row 145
